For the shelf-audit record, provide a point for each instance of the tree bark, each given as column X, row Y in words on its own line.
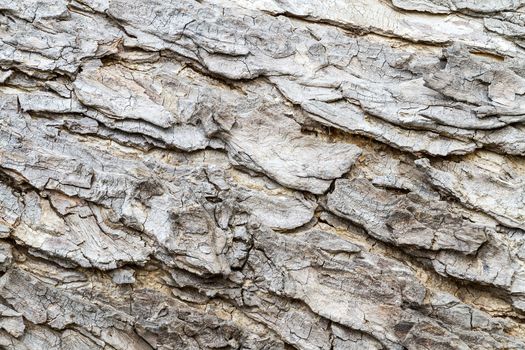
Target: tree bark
column 264, row 174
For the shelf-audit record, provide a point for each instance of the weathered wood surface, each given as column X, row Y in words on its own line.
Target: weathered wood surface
column 262, row 174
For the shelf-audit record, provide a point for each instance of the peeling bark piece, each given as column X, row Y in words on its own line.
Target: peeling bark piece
column 353, row 297
column 397, row 98
column 77, row 237
column 33, row 339
column 482, row 183
column 165, row 322
column 507, row 23
column 6, row 255
column 45, row 102
column 38, row 338
column 491, row 87
column 301, row 279
column 40, row 304
column 121, row 98
column 212, row 35
column 11, row 321
column 492, row 265
column 51, row 45
column 292, row 320
column 450, row 309
column 278, row 212
column 440, row 6
column 40, row 166
column 309, row 165
column 75, row 340
column 405, row 219
column 509, row 140
column 363, row 15
column 196, row 244
column 352, row 340
column 10, row 210
column 348, row 117
column 183, row 137
column 31, row 10
column 168, row 108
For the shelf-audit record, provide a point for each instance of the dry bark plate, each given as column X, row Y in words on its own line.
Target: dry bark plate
column 262, row 174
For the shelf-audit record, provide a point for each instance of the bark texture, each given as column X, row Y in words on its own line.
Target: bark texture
column 262, row 174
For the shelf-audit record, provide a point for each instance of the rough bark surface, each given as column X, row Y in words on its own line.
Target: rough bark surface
column 262, row 174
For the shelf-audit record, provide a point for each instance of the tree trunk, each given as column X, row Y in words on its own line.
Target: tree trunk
column 264, row 174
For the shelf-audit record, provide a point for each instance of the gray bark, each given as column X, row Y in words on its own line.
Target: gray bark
column 263, row 174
